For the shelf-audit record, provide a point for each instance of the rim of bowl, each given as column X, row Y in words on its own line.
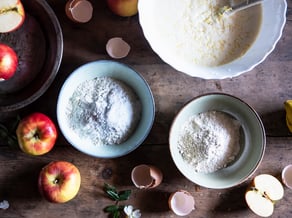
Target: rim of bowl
column 150, row 122
column 263, row 136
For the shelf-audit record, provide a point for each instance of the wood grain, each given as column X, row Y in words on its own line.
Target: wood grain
column 265, row 88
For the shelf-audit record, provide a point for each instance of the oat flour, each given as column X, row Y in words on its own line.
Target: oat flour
column 103, row 110
column 209, row 141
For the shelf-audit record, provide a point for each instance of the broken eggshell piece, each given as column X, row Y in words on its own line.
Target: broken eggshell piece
column 79, row 10
column 117, row 48
column 146, row 176
column 287, row 176
column 181, row 203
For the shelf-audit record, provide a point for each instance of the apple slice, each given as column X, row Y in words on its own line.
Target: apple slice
column 11, row 15
column 264, row 191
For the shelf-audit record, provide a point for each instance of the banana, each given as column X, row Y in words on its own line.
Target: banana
column 288, row 108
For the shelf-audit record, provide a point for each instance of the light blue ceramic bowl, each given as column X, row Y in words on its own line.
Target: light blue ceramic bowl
column 117, row 71
column 252, row 140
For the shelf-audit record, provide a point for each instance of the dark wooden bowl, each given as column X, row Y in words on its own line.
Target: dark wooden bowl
column 39, row 46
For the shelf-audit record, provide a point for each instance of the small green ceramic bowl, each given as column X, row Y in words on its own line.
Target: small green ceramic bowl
column 123, row 73
column 252, row 140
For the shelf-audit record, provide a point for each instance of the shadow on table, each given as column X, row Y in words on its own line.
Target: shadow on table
column 232, row 200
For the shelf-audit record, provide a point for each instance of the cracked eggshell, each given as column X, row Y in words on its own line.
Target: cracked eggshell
column 146, row 176
column 181, row 202
column 79, row 11
column 287, row 176
column 117, row 48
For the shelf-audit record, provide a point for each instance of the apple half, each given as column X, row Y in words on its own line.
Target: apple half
column 12, row 15
column 262, row 194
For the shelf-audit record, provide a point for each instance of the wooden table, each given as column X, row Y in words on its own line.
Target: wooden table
column 265, row 88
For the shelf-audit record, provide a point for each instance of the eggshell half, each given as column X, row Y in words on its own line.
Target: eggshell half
column 287, row 176
column 117, row 48
column 79, row 10
column 146, row 176
column 181, row 203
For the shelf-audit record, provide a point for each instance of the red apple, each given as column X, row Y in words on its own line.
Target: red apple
column 59, row 181
column 124, row 8
column 8, row 62
column 36, row 134
column 12, row 15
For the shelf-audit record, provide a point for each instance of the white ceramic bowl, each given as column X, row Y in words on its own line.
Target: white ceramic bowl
column 252, row 140
column 117, row 71
column 273, row 21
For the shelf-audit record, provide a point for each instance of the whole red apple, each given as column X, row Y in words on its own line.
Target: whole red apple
column 36, row 134
column 8, row 62
column 59, row 181
column 12, row 15
column 124, row 8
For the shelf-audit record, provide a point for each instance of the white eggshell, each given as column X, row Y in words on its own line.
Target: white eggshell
column 181, row 203
column 287, row 176
column 117, row 48
column 79, row 10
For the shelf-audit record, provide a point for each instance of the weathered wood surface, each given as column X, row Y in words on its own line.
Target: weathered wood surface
column 265, row 88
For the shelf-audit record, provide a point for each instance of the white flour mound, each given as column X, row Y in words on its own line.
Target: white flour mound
column 104, row 110
column 209, row 141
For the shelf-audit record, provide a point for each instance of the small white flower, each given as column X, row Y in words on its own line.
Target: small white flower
column 131, row 213
column 4, row 205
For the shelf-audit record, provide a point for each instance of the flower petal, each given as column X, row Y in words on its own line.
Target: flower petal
column 128, row 210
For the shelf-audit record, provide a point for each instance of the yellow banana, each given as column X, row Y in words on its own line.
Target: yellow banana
column 288, row 108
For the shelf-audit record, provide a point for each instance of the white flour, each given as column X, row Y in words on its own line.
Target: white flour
column 209, row 141
column 192, row 33
column 103, row 110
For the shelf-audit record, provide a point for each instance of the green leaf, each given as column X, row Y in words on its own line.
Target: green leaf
column 113, row 195
column 111, row 208
column 3, row 131
column 108, row 187
column 12, row 141
column 114, row 210
column 124, row 195
column 116, row 214
column 15, row 123
column 8, row 134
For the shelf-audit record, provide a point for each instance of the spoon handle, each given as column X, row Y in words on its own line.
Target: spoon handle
column 243, row 5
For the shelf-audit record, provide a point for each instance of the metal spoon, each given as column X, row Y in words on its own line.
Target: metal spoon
column 233, row 8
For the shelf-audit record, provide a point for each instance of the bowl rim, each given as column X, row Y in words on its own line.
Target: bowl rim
column 252, row 170
column 150, row 106
column 55, row 68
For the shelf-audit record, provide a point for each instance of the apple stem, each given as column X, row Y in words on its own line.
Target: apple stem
column 56, row 181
